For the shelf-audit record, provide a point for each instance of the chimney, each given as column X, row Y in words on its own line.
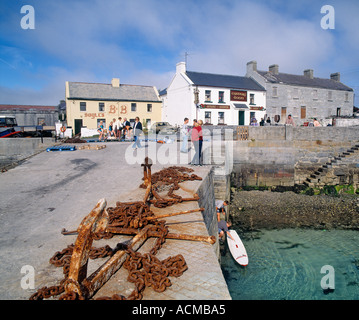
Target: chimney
column 115, row 82
column 335, row 76
column 181, row 67
column 251, row 66
column 274, row 69
column 308, row 73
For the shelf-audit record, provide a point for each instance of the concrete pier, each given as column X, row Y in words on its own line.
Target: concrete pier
column 55, row 190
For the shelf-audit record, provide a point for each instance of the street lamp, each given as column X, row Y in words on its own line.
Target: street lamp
column 196, row 100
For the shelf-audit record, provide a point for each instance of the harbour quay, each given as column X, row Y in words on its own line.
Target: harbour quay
column 52, row 191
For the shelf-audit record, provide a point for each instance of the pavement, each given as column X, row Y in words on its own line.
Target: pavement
column 55, row 190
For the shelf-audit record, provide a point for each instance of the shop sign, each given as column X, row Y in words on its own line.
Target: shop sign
column 257, row 108
column 237, row 95
column 215, row 106
column 94, row 115
column 113, row 109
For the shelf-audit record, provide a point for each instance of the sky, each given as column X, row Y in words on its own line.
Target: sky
column 141, row 41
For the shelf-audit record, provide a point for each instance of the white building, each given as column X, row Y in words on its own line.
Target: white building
column 213, row 98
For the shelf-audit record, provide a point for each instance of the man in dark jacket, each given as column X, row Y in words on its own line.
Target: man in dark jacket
column 137, row 130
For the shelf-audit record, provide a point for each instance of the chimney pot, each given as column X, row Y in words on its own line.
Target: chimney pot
column 274, row 68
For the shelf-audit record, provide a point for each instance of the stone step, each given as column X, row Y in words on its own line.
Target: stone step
column 221, row 171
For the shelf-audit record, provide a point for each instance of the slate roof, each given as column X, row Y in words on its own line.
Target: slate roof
column 101, row 91
column 223, row 81
column 4, row 107
column 301, row 80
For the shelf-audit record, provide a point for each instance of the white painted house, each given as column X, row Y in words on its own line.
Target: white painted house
column 213, row 98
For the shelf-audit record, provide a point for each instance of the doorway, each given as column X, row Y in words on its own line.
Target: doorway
column 78, row 125
column 241, row 118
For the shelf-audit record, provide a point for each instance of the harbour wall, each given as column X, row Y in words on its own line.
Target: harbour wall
column 207, row 201
column 13, row 150
column 286, row 155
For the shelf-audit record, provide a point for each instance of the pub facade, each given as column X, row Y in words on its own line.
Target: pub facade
column 215, row 99
column 88, row 104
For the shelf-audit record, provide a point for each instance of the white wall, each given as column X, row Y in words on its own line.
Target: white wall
column 179, row 102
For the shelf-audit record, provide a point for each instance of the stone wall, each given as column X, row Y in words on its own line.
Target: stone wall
column 290, row 133
column 207, row 201
column 283, row 162
column 17, row 149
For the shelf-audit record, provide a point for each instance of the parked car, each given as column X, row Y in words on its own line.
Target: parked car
column 163, row 128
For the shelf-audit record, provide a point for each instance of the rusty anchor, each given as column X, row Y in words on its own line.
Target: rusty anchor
column 79, row 285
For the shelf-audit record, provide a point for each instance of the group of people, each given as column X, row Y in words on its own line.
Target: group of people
column 196, row 138
column 116, row 129
column 122, row 130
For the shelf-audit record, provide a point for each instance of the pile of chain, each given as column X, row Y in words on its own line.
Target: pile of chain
column 146, row 270
column 170, row 177
column 130, row 215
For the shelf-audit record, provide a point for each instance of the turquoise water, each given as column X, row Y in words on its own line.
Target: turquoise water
column 286, row 265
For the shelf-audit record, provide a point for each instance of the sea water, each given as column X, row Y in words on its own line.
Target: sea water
column 288, row 264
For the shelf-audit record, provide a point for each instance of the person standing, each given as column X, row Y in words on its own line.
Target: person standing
column 125, row 128
column 290, row 121
column 197, row 140
column 184, row 133
column 137, row 130
column 118, row 127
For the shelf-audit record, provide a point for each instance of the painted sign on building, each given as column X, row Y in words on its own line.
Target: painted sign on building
column 237, row 95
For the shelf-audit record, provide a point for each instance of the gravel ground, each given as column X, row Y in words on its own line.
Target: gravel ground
column 268, row 210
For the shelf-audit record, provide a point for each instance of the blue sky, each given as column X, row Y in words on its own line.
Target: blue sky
column 140, row 42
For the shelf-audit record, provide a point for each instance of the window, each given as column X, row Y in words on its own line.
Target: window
column 315, row 94
column 149, row 107
column 338, row 112
column 221, row 96
column 148, row 123
column 251, row 98
column 82, row 106
column 133, row 107
column 40, row 121
column 346, row 97
column 207, row 117
column 275, row 92
column 303, row 112
column 295, row 93
column 283, row 114
column 220, row 117
column 330, row 96
column 208, row 95
column 101, row 107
